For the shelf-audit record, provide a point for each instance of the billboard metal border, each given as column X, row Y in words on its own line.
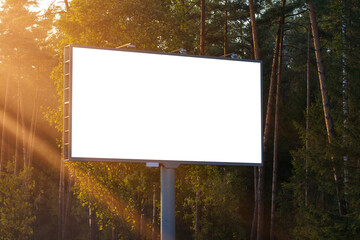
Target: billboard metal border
column 67, row 110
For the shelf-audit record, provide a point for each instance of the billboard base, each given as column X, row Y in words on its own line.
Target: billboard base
column 167, row 176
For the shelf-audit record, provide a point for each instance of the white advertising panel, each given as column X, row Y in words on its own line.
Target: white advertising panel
column 141, row 106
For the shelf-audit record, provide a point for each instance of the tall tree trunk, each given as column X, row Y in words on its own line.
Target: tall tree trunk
column 266, row 137
column 142, row 223
column 344, row 90
column 254, row 30
column 23, row 133
column 326, row 104
column 307, row 113
column 137, row 224
column 18, row 158
column 17, row 164
column 254, row 219
column 113, row 233
column 225, row 27
column 256, row 52
column 113, row 229
column 92, row 223
column 2, row 150
column 197, row 214
column 67, row 7
column 19, row 129
column 61, row 202
column 276, row 134
column 202, row 28
column 32, row 138
column 154, row 222
column 67, row 203
column 92, row 211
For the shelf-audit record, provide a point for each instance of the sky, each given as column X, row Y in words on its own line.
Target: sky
column 44, row 4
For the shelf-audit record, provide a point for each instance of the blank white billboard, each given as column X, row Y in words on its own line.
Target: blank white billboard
column 140, row 106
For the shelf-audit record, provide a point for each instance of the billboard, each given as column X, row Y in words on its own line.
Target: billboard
column 122, row 105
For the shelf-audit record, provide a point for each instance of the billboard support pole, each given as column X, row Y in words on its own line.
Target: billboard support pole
column 167, row 176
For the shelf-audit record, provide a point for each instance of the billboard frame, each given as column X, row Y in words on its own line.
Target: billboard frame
column 67, row 110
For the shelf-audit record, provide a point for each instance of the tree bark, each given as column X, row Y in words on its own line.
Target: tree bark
column 197, row 214
column 202, row 28
column 61, row 202
column 142, row 224
column 307, row 114
column 225, row 28
column 345, row 102
column 32, row 138
column 2, row 150
column 321, row 72
column 256, row 52
column 254, row 219
column 67, row 7
column 113, row 233
column 326, row 104
column 154, row 222
column 92, row 223
column 266, row 137
column 17, row 164
column 276, row 135
column 25, row 165
column 19, row 140
column 268, row 120
column 68, row 208
column 254, row 30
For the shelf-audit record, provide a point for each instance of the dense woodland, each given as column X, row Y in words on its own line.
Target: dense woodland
column 309, row 185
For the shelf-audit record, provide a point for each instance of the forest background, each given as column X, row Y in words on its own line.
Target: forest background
column 309, row 187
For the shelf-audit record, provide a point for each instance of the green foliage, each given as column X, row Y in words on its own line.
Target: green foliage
column 118, row 192
column 216, row 197
column 16, row 206
column 113, row 23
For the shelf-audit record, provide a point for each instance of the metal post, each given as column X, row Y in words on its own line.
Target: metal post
column 167, row 228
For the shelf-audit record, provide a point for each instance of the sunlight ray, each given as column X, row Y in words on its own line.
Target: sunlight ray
column 102, row 195
column 42, row 148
